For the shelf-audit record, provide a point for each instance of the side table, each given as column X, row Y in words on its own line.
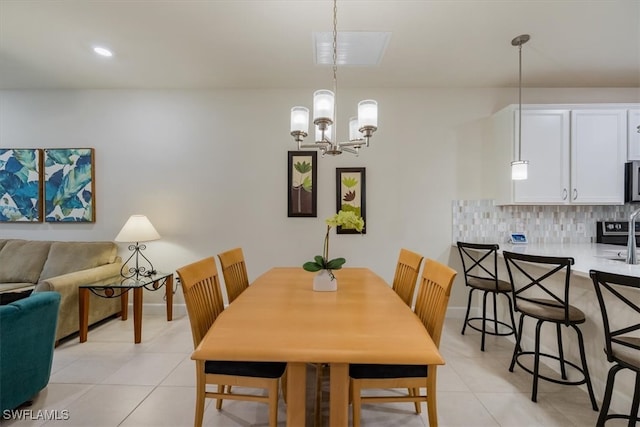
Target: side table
column 121, row 290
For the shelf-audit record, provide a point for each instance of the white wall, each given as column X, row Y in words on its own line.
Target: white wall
column 209, row 168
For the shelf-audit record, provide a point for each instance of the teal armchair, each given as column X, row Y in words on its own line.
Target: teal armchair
column 27, row 338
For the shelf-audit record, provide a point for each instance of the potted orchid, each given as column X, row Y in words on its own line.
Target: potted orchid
column 325, row 280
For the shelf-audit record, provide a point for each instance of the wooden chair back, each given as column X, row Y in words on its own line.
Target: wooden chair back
column 433, row 297
column 202, row 295
column 406, row 276
column 234, row 271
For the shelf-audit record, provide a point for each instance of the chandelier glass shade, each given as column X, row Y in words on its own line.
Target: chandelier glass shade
column 361, row 128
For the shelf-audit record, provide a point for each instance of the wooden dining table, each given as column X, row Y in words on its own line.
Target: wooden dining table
column 280, row 318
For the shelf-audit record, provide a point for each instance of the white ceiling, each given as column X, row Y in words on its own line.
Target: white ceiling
column 195, row 44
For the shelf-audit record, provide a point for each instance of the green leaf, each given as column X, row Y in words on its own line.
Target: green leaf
column 311, row 266
column 319, row 260
column 302, row 167
column 307, row 185
column 336, row 264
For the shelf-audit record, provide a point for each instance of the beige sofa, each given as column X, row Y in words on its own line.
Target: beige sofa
column 62, row 267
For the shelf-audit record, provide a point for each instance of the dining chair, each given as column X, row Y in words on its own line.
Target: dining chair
column 537, row 295
column 480, row 265
column 620, row 308
column 203, row 298
column 431, row 306
column 234, row 271
column 406, row 275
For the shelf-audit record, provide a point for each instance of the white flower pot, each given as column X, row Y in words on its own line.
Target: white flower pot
column 322, row 282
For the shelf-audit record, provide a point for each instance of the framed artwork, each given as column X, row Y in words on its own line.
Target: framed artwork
column 302, row 192
column 20, row 185
column 351, row 195
column 69, row 185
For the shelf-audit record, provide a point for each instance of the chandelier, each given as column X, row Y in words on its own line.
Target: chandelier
column 361, row 128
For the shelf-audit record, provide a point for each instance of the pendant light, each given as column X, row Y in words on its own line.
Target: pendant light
column 519, row 167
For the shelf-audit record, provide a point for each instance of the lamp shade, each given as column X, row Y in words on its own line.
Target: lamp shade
column 323, row 105
column 138, row 228
column 300, row 119
column 519, row 170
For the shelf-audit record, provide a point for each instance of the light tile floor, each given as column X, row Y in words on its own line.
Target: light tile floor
column 109, row 381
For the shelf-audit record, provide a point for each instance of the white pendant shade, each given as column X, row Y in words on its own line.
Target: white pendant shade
column 354, row 132
column 300, row 119
column 138, row 228
column 367, row 113
column 519, row 170
column 323, row 105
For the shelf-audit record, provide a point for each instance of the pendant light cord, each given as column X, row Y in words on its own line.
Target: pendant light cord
column 520, row 102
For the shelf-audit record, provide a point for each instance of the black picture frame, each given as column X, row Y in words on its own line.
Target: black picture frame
column 351, row 195
column 302, row 184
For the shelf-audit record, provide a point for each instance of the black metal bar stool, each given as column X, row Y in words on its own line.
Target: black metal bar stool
column 480, row 265
column 535, row 297
column 615, row 293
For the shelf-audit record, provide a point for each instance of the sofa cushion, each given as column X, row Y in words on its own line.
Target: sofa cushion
column 68, row 257
column 22, row 260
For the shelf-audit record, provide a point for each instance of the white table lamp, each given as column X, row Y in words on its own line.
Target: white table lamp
column 137, row 229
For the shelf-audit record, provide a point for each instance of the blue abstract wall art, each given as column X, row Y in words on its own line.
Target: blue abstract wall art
column 20, row 185
column 68, row 185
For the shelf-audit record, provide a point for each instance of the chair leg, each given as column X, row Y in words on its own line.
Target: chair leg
column 563, row 370
column 635, row 404
column 513, row 320
column 432, row 406
column 416, row 404
column 466, row 316
column 200, row 389
column 606, row 401
column 536, row 363
column 587, row 377
column 318, row 406
column 516, row 349
column 495, row 313
column 273, row 404
column 219, row 401
column 484, row 319
column 356, row 402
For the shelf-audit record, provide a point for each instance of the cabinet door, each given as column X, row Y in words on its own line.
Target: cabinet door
column 633, row 135
column 598, row 154
column 545, row 144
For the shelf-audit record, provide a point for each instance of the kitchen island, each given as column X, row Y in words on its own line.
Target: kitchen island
column 587, row 256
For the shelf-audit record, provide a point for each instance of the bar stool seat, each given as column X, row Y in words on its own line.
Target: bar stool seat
column 530, row 276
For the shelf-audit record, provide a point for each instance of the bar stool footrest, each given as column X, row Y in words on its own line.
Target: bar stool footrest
column 544, row 377
column 491, row 323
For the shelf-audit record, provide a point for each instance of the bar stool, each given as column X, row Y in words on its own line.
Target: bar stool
column 614, row 296
column 534, row 296
column 480, row 265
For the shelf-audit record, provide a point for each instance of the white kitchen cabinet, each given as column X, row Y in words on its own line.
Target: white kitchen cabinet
column 545, row 144
column 576, row 155
column 633, row 134
column 598, row 155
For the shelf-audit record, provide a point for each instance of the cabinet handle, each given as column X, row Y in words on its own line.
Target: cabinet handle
column 575, row 193
column 564, row 194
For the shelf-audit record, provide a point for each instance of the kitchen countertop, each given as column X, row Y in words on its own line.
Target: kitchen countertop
column 587, row 256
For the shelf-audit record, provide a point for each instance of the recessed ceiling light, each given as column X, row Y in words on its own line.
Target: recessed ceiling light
column 102, row 51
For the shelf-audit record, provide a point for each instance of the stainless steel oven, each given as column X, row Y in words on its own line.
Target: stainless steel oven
column 632, row 182
column 615, row 232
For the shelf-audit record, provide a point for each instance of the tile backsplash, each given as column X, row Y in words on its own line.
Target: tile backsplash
column 482, row 221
